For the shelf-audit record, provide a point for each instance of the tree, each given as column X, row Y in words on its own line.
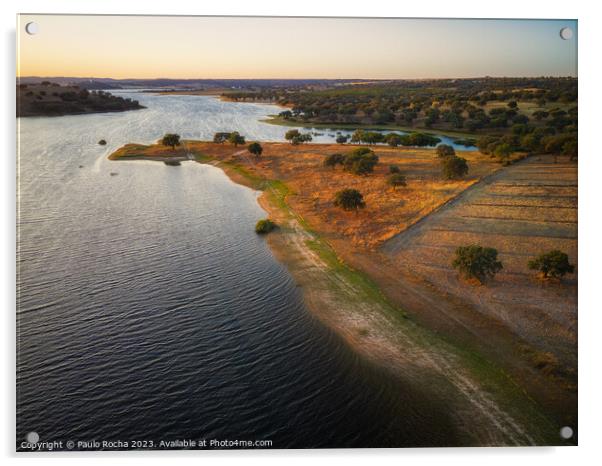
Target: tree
column 264, row 226
column 554, row 144
column 445, row 150
column 372, row 137
column 486, row 144
column 172, row 140
column 397, row 179
column 540, row 115
column 360, row 161
column 349, row 199
column 477, row 262
column 520, row 119
column 503, row 152
column 363, row 165
column 420, row 140
column 303, row 137
column 332, row 160
column 553, row 264
column 393, row 139
column 296, row 138
column 342, row 139
column 512, row 104
column 454, row 167
column 358, row 135
column 255, row 149
column 236, row 139
column 570, row 148
column 394, row 169
column 291, row 133
column 220, row 138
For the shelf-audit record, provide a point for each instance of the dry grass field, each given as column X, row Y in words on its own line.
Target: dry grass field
column 522, row 211
column 388, row 210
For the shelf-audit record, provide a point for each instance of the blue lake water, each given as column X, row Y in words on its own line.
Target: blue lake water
column 148, row 309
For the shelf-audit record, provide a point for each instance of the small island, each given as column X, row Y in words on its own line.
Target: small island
column 51, row 99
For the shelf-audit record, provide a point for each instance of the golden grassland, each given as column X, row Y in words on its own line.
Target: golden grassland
column 156, row 152
column 522, row 211
column 312, row 186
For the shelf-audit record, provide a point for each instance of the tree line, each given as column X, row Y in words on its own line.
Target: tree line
column 456, row 104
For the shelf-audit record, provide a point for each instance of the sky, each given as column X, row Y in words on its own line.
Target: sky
column 252, row 47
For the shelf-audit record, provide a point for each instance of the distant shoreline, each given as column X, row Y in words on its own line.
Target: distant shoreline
column 221, row 94
column 279, row 121
column 49, row 99
column 36, row 115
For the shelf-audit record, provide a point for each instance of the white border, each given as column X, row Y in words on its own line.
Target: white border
column 590, row 225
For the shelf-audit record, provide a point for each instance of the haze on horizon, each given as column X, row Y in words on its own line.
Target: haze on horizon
column 288, row 48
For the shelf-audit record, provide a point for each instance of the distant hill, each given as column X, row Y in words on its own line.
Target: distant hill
column 51, row 99
column 239, row 84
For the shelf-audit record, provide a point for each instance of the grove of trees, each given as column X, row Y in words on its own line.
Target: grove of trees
column 296, row 137
column 476, row 105
column 52, row 99
column 394, row 139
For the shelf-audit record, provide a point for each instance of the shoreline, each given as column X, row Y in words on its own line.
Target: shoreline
column 217, row 93
column 51, row 115
column 351, row 304
column 488, row 407
column 278, row 121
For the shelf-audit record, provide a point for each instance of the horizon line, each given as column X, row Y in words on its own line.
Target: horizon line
column 302, row 78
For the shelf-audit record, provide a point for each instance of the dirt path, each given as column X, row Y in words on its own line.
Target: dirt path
column 369, row 325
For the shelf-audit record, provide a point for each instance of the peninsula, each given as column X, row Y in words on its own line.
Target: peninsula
column 380, row 271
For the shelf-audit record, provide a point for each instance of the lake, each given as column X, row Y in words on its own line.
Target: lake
column 148, row 309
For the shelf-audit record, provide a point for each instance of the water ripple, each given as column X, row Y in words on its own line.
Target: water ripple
column 149, row 309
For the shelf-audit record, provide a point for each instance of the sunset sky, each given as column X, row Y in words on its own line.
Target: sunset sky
column 229, row 47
